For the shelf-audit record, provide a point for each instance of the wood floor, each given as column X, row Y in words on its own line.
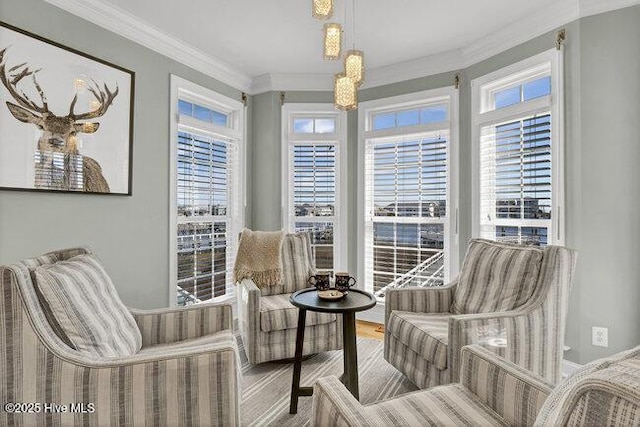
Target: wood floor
column 369, row 330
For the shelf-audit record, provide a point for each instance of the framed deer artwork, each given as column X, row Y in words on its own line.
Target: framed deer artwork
column 66, row 118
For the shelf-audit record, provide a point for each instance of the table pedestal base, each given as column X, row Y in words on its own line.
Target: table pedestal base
column 307, row 299
column 349, row 376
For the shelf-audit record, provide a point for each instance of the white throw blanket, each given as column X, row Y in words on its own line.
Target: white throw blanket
column 258, row 257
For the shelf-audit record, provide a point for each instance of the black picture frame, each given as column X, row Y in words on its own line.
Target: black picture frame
column 125, row 94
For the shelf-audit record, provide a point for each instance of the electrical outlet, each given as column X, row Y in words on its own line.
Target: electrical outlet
column 600, row 336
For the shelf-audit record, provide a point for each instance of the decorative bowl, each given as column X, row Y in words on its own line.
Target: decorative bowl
column 331, row 294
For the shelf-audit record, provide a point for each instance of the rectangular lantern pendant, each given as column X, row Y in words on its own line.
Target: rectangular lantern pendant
column 354, row 66
column 345, row 92
column 322, row 9
column 332, row 41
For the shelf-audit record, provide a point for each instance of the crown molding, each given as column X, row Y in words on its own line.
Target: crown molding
column 594, row 7
column 123, row 23
column 261, row 84
column 518, row 32
column 292, row 82
column 415, row 68
column 402, row 71
column 555, row 15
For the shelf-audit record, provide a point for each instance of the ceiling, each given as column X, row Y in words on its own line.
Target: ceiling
column 263, row 45
column 280, row 36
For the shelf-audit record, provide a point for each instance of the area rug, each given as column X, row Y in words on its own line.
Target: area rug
column 266, row 388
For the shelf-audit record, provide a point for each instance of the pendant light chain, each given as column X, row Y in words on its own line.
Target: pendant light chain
column 354, row 59
column 354, row 23
column 345, row 25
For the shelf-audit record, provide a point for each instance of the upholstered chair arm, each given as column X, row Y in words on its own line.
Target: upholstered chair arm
column 509, row 334
column 420, row 300
column 163, row 326
column 220, row 343
column 334, row 405
column 248, row 298
column 510, row 390
column 162, row 386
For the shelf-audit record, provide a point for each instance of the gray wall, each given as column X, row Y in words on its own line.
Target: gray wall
column 130, row 234
column 602, row 149
column 266, row 171
column 609, row 186
column 602, row 106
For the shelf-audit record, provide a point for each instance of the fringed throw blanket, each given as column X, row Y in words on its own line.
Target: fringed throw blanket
column 259, row 257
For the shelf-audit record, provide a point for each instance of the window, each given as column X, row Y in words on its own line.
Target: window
column 313, row 141
column 517, row 120
column 407, row 192
column 207, row 192
column 409, row 117
column 198, row 112
column 311, row 125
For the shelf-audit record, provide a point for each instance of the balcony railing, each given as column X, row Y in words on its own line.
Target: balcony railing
column 186, row 298
column 428, row 273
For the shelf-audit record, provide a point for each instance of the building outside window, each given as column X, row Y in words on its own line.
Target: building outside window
column 207, row 191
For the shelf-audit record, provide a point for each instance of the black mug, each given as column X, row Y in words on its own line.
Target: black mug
column 321, row 281
column 344, row 282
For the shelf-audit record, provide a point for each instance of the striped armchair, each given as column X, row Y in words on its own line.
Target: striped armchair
column 186, row 372
column 514, row 301
column 496, row 392
column 268, row 321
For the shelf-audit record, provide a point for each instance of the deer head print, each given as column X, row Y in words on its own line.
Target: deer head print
column 59, row 134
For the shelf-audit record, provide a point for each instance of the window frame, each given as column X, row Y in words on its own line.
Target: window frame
column 447, row 95
column 550, row 63
column 289, row 138
column 235, row 131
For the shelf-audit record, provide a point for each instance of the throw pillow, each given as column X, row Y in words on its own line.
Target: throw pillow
column 84, row 301
column 496, row 277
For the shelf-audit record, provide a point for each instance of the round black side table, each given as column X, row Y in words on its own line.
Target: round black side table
column 307, row 299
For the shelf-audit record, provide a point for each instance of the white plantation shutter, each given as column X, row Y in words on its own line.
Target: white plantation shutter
column 406, row 192
column 207, row 189
column 516, row 180
column 518, row 118
column 409, row 199
column 408, row 159
column 315, row 203
column 314, row 179
column 313, row 138
column 207, row 194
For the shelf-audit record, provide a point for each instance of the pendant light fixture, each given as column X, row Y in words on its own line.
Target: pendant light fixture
column 346, row 83
column 332, row 40
column 345, row 92
column 322, row 9
column 354, row 66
